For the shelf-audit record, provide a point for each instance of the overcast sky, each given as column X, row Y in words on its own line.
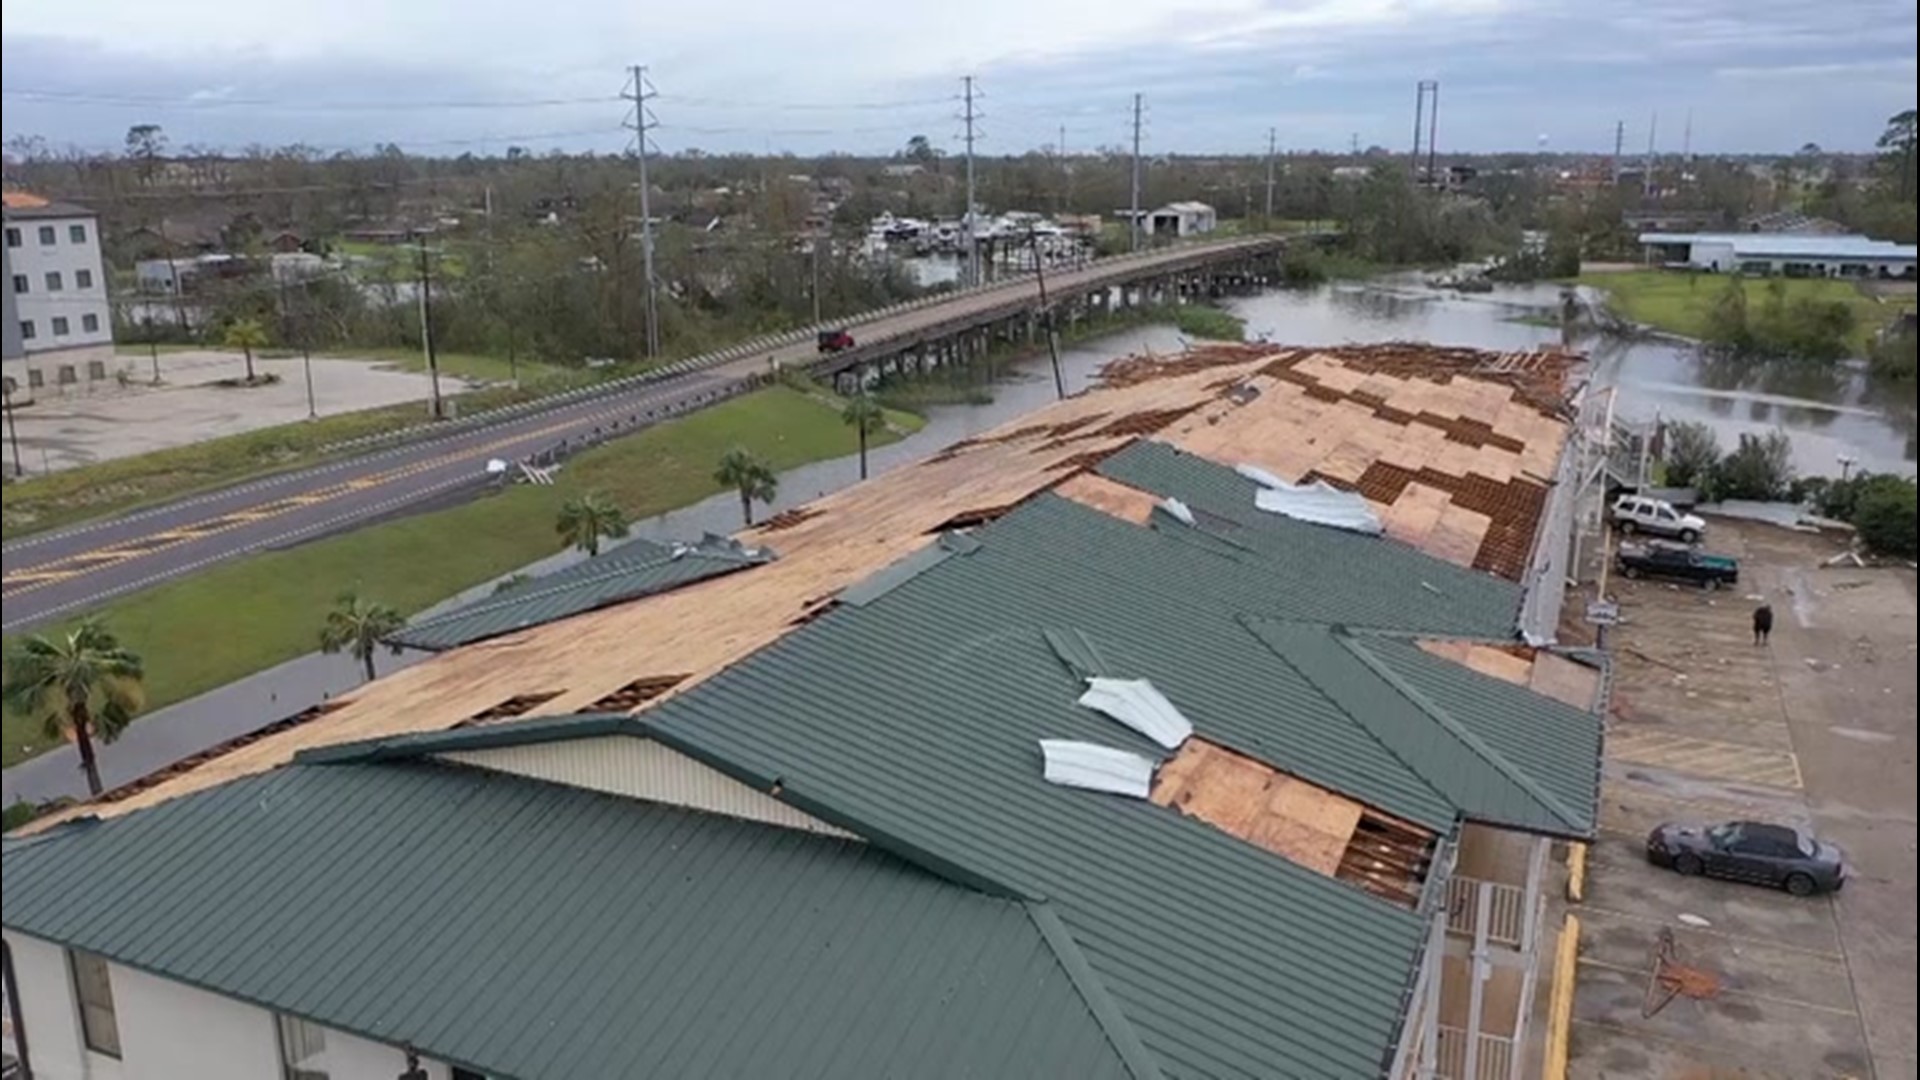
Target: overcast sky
column 864, row 75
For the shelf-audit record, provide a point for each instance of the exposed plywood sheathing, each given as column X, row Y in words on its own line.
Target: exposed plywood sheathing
column 1100, row 493
column 1230, row 403
column 1566, row 681
column 188, row 764
column 1240, row 796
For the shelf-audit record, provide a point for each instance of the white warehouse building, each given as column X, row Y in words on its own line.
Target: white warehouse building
column 1789, row 254
column 59, row 328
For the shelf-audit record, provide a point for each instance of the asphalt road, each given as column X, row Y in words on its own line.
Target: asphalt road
column 49, row 575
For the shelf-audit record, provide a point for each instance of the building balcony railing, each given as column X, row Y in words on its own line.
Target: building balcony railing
column 1494, row 1062
column 1506, row 910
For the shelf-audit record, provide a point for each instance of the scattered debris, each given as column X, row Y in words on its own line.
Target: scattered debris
column 1137, row 704
column 1673, row 977
column 1097, row 768
column 1691, row 919
column 1848, row 557
column 1641, row 656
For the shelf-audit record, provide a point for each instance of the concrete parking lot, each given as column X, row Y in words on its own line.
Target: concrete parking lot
column 100, row 421
column 1816, row 729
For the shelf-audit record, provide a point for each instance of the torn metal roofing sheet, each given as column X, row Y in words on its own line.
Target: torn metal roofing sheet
column 635, row 569
column 1137, row 704
column 1096, row 768
column 549, row 933
column 1320, row 503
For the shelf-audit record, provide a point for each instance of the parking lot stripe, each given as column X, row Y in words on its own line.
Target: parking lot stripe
column 1726, row 991
column 1705, row 757
column 1631, row 917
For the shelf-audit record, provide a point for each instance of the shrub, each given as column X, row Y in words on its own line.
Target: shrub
column 1760, row 468
column 1885, row 516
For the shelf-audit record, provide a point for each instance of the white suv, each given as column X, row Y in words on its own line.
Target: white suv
column 1656, row 517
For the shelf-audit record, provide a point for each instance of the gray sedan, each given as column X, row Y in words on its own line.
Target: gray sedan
column 1750, row 851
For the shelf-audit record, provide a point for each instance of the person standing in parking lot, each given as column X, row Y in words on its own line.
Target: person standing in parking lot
column 1762, row 623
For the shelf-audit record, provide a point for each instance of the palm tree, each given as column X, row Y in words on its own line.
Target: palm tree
column 79, row 686
column 246, row 335
column 358, row 627
column 589, row 519
column 866, row 417
column 743, row 471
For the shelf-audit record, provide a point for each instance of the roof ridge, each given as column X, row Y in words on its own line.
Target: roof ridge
column 1466, row 738
column 1246, row 621
column 1112, row 1020
column 519, row 596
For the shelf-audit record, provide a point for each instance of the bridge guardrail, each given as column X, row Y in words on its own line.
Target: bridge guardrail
column 430, row 430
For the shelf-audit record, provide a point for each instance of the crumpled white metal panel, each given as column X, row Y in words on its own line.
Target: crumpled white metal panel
column 1097, row 768
column 1318, row 503
column 1181, row 511
column 1137, row 704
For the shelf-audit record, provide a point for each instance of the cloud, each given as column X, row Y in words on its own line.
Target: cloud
column 1756, row 74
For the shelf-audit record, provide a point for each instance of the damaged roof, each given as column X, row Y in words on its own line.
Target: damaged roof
column 532, row 930
column 919, row 712
column 633, row 570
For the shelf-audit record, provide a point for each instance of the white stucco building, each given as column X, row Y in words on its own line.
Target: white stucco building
column 56, row 309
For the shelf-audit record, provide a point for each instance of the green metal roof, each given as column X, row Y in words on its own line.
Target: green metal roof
column 635, row 569
column 537, row 931
column 1329, row 575
column 1497, row 752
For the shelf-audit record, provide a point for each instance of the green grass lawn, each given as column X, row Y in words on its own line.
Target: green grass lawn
column 1678, row 302
column 248, row 614
column 463, row 365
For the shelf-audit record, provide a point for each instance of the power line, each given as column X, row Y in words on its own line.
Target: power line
column 799, row 106
column 87, row 98
column 1272, row 143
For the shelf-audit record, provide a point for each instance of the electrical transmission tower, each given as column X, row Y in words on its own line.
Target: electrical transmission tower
column 1426, row 112
column 1133, row 204
column 1619, row 147
column 971, row 268
column 642, row 121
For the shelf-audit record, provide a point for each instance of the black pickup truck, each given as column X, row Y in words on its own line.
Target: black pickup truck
column 1677, row 562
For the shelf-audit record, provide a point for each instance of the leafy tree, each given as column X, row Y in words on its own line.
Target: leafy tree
column 1690, row 454
column 865, row 416
column 742, row 470
column 919, row 149
column 358, row 627
column 1761, row 467
column 246, row 335
column 1727, row 325
column 82, row 685
column 1885, row 516
column 585, row 521
column 1896, row 148
column 146, row 145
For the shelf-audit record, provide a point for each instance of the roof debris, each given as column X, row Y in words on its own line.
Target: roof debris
column 1135, row 703
column 1320, row 503
column 1097, row 768
column 1179, row 510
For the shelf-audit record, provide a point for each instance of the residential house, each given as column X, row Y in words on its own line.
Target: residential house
column 1109, row 743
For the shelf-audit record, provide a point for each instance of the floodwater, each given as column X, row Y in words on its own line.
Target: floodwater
column 1831, row 413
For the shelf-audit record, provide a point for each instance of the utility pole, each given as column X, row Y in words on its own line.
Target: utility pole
column 1046, row 314
column 1646, row 180
column 13, row 430
column 1686, row 139
column 1353, row 144
column 1272, row 142
column 1066, row 173
column 971, row 267
column 287, row 330
column 1133, row 204
column 435, row 408
column 1619, row 146
column 640, row 92
column 1419, row 127
column 813, row 251
column 1433, row 127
